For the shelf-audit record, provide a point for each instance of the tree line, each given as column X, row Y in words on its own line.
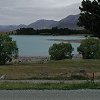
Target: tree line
column 89, row 49
column 90, row 16
column 53, row 31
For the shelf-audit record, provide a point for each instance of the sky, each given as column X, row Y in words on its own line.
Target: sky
column 14, row 12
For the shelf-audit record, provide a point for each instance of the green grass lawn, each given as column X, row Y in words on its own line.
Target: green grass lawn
column 50, row 70
column 48, row 86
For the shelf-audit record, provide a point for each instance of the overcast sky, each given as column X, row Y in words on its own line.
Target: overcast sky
column 28, row 11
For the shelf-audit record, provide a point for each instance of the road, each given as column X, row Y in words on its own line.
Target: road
column 49, row 95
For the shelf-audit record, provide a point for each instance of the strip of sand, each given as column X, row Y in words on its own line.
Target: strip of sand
column 68, row 41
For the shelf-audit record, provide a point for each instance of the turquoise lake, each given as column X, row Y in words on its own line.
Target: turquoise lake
column 35, row 45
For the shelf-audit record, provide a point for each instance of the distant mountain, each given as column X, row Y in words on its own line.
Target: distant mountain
column 42, row 24
column 21, row 26
column 7, row 28
column 68, row 22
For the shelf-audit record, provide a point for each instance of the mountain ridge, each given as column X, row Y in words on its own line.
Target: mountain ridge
column 42, row 24
column 67, row 22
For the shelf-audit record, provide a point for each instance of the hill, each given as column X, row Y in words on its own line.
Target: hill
column 68, row 22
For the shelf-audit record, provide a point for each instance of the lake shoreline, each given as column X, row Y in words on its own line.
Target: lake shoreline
column 68, row 41
column 31, row 59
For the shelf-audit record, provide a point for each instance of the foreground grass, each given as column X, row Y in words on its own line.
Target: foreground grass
column 48, row 86
column 49, row 70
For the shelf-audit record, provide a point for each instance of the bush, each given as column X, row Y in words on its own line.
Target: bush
column 8, row 49
column 60, row 51
column 90, row 48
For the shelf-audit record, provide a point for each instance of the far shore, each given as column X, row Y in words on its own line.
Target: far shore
column 68, row 41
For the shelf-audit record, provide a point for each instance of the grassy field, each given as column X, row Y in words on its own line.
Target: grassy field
column 63, row 69
column 48, row 86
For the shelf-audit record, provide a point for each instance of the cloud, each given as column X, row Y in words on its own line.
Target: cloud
column 27, row 11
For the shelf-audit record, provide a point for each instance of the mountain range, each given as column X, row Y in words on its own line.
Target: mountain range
column 68, row 22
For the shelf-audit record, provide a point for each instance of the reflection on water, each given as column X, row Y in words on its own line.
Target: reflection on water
column 39, row 45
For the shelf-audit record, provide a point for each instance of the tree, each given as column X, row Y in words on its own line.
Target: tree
column 90, row 16
column 60, row 51
column 90, row 48
column 8, row 49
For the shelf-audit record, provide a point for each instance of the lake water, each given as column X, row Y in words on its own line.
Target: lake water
column 35, row 45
